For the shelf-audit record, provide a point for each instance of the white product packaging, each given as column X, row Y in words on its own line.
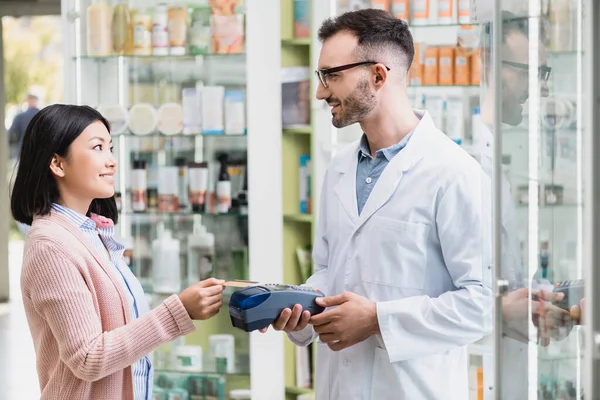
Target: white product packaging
column 192, row 113
column 170, row 119
column 142, row 119
column 455, row 119
column 212, row 110
column 166, row 276
column 235, row 112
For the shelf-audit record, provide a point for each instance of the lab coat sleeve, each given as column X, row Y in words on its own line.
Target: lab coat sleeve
column 420, row 326
column 320, row 278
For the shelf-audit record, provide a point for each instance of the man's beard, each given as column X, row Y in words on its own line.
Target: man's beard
column 355, row 107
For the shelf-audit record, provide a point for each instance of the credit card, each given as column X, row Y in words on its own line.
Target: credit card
column 240, row 283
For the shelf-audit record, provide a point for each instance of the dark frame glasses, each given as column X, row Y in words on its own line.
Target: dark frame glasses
column 543, row 70
column 322, row 73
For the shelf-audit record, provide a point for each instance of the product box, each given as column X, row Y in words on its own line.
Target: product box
column 415, row 74
column 462, row 66
column 235, row 112
column 400, row 9
column 304, row 184
column 227, row 34
column 430, row 69
column 295, row 96
column 446, row 66
column 301, row 18
column 227, row 7
column 475, row 67
column 380, row 4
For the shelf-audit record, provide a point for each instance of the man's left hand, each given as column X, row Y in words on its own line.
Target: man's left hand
column 352, row 321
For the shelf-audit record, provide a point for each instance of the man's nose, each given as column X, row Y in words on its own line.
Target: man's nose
column 322, row 92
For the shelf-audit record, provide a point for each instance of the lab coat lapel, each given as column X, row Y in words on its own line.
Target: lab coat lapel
column 345, row 189
column 392, row 174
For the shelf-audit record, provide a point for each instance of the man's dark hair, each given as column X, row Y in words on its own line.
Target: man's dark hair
column 50, row 133
column 378, row 32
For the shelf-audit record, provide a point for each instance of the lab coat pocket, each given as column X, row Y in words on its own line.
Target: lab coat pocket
column 322, row 374
column 384, row 385
column 399, row 256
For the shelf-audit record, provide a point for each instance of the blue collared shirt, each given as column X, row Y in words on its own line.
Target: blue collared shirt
column 369, row 169
column 103, row 239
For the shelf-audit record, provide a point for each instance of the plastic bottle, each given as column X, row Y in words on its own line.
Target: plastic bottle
column 201, row 252
column 121, row 22
column 166, row 274
column 223, row 187
column 160, row 31
column 98, row 29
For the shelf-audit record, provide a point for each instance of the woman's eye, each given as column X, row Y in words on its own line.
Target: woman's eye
column 112, row 149
column 98, row 147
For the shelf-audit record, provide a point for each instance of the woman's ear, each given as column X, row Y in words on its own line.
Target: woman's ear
column 57, row 166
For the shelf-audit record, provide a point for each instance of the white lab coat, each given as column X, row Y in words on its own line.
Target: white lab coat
column 421, row 249
column 514, row 368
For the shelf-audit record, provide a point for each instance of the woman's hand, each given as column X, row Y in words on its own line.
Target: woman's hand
column 204, row 299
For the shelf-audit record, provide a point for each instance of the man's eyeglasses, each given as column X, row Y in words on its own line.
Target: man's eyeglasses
column 543, row 70
column 322, row 73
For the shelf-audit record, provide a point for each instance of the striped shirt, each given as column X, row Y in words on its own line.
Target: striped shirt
column 103, row 240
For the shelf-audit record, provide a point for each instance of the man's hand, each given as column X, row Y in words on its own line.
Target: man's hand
column 578, row 312
column 290, row 320
column 547, row 317
column 352, row 321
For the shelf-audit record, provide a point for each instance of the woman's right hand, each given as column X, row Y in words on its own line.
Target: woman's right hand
column 204, row 299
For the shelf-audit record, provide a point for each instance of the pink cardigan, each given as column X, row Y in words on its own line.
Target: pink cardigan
column 79, row 316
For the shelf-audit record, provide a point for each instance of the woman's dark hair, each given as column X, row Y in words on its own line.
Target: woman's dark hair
column 51, row 132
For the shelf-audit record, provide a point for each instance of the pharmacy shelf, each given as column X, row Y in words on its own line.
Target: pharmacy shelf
column 168, row 58
column 159, row 135
column 426, row 26
column 296, row 42
column 298, row 130
column 308, row 218
column 293, row 390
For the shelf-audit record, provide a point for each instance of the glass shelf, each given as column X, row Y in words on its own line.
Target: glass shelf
column 181, row 215
column 298, row 130
column 296, row 42
column 207, row 373
column 168, row 58
column 455, row 25
column 158, row 135
column 298, row 217
column 293, row 390
column 442, row 86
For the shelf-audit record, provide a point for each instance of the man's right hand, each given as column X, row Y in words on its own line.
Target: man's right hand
column 290, row 320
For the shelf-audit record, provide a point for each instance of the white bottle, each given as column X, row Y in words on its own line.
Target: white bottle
column 166, row 275
column 160, row 31
column 201, row 252
column 478, row 136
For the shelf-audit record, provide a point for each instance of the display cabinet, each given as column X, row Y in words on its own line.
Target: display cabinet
column 189, row 90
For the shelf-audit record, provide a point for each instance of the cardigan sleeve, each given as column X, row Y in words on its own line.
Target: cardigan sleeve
column 59, row 293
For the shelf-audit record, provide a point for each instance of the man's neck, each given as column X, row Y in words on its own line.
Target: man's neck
column 388, row 126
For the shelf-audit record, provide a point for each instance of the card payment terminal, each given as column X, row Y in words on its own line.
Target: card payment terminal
column 257, row 306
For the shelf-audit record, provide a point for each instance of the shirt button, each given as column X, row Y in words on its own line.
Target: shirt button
column 368, row 180
column 346, row 362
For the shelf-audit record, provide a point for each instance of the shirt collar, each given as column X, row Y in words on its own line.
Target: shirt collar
column 81, row 221
column 388, row 152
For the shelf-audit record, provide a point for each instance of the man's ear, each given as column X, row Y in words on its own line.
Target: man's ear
column 380, row 76
column 57, row 166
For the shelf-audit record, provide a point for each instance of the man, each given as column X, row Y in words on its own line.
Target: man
column 19, row 124
column 403, row 236
column 515, row 305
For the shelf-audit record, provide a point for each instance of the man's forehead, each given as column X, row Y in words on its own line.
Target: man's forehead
column 516, row 48
column 338, row 50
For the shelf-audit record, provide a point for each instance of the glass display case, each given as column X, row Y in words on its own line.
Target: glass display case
column 533, row 126
column 195, row 125
column 522, row 102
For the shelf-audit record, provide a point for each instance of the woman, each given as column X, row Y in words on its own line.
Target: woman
column 87, row 313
